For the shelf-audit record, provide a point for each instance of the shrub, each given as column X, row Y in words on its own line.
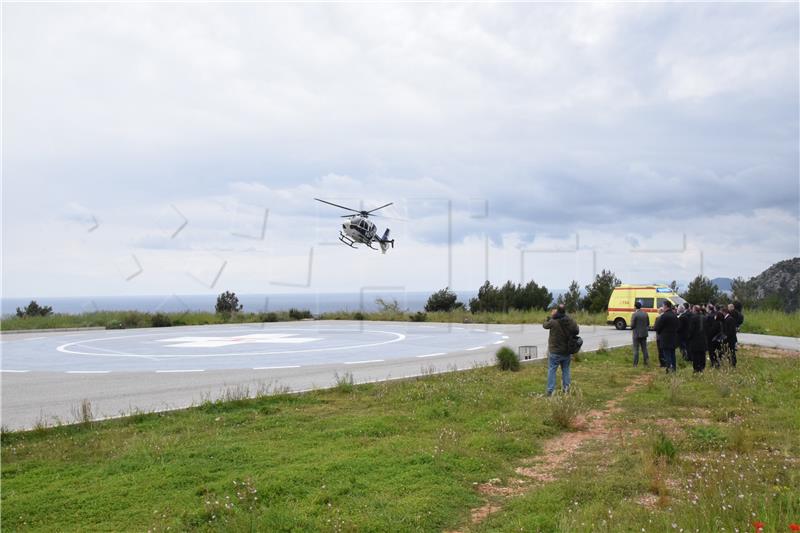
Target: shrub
column 160, row 320
column 443, row 300
column 268, row 317
column 358, row 315
column 419, row 316
column 664, row 447
column 228, row 303
column 34, row 309
column 115, row 324
column 135, row 319
column 299, row 314
column 507, row 359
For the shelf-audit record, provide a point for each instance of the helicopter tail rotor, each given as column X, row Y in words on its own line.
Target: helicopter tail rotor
column 385, row 242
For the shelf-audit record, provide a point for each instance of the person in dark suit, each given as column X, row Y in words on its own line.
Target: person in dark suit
column 684, row 316
column 696, row 342
column 640, row 324
column 737, row 306
column 667, row 329
column 729, row 329
column 661, row 362
column 712, row 326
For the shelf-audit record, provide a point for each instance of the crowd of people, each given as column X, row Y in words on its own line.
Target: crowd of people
column 694, row 330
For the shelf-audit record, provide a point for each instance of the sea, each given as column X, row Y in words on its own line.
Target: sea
column 315, row 302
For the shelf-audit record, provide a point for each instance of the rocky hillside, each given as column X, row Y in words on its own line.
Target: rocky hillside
column 778, row 287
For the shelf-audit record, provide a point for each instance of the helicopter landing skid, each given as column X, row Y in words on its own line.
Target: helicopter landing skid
column 347, row 240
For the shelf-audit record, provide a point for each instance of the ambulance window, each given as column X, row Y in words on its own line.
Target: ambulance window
column 647, row 303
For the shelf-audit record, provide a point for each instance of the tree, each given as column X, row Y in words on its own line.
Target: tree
column 487, row 300
column 744, row 291
column 388, row 307
column 572, row 298
column 443, row 300
column 701, row 291
column 228, row 303
column 34, row 309
column 599, row 292
column 674, row 286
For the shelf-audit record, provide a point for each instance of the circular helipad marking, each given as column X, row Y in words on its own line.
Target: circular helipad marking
column 67, row 348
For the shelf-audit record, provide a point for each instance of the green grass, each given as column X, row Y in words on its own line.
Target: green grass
column 772, row 323
column 462, row 316
column 405, row 455
column 712, row 463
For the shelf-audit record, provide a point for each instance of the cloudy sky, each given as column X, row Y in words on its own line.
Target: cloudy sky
column 174, row 149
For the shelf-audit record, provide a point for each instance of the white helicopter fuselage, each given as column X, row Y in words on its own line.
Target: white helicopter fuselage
column 359, row 229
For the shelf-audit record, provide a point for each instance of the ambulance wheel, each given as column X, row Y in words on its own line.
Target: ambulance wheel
column 620, row 324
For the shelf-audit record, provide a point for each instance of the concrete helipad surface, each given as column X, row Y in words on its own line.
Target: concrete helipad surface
column 255, row 347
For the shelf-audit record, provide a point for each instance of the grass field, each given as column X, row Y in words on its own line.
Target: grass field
column 442, row 452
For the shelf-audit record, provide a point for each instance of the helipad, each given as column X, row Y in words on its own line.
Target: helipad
column 220, row 347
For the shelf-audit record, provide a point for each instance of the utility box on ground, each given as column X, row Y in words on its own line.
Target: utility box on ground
column 528, row 353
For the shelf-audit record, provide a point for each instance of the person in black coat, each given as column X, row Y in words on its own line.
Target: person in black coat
column 737, row 306
column 712, row 327
column 667, row 329
column 684, row 316
column 696, row 342
column 729, row 329
column 661, row 362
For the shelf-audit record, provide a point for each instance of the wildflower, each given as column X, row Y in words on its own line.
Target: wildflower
column 794, row 527
column 759, row 526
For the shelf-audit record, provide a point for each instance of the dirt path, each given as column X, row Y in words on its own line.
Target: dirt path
column 556, row 454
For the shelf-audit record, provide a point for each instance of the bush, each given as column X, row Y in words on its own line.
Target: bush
column 228, row 303
column 358, row 315
column 34, row 309
column 268, row 317
column 135, row 319
column 443, row 300
column 419, row 316
column 507, row 359
column 160, row 320
column 298, row 314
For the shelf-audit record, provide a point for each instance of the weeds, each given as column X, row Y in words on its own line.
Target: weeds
column 664, row 447
column 82, row 413
column 344, row 383
column 565, row 407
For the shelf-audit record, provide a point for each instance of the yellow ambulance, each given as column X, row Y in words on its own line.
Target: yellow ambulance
column 620, row 305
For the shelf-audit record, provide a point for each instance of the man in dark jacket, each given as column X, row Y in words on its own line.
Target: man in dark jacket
column 640, row 324
column 684, row 316
column 737, row 306
column 729, row 329
column 696, row 340
column 561, row 327
column 712, row 327
column 661, row 361
column 667, row 329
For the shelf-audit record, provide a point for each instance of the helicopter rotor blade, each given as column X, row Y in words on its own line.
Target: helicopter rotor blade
column 337, row 205
column 381, row 207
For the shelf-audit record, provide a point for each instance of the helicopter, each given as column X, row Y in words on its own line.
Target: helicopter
column 359, row 230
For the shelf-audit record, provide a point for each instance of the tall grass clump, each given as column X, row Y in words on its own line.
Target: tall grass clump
column 564, row 408
column 664, row 447
column 507, row 359
column 344, row 383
